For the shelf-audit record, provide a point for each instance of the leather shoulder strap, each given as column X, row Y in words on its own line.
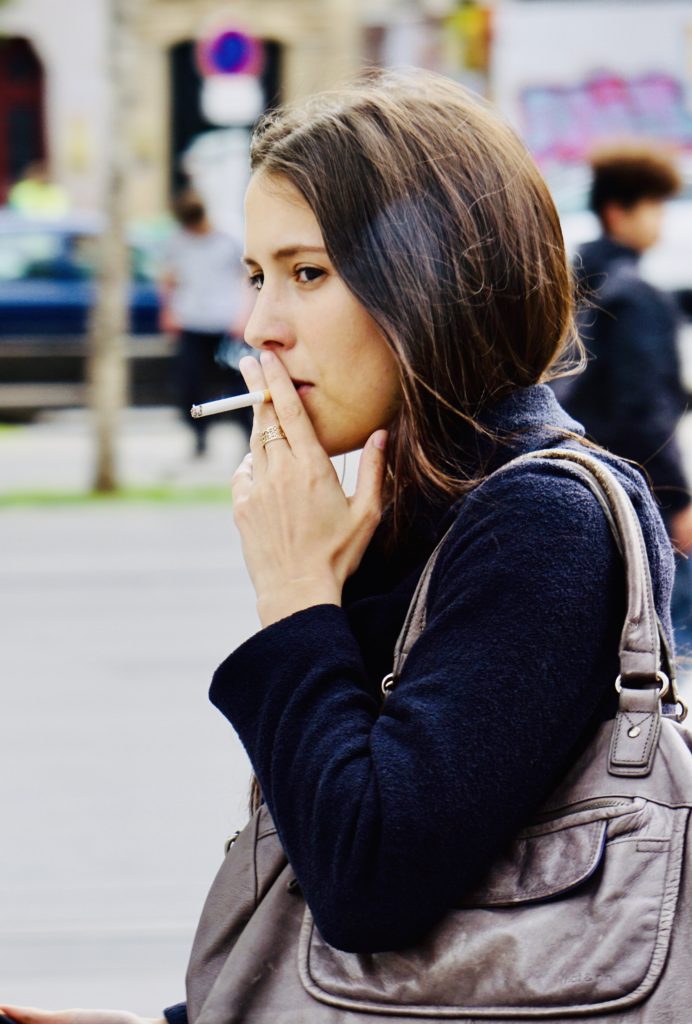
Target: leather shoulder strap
column 642, row 640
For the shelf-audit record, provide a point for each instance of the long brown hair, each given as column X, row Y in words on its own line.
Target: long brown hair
column 436, row 218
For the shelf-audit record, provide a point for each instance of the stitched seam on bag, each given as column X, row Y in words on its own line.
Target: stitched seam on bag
column 606, row 484
column 255, row 870
column 651, row 606
column 621, row 732
column 636, row 996
column 639, row 839
column 561, row 821
column 671, row 892
column 597, row 841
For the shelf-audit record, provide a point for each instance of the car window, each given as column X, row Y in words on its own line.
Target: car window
column 84, row 251
column 85, row 254
column 23, row 253
column 53, row 256
column 143, row 264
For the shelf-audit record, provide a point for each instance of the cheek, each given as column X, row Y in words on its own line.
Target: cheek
column 361, row 369
column 387, row 375
column 364, row 395
column 375, row 402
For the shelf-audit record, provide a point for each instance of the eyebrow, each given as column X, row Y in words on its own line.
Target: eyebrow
column 287, row 251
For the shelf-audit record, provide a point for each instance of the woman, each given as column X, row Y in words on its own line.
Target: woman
column 412, row 296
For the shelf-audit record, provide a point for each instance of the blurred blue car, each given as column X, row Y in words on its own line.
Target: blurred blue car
column 47, row 289
column 46, row 279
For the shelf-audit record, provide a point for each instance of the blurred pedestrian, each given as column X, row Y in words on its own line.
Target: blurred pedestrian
column 200, row 305
column 630, row 397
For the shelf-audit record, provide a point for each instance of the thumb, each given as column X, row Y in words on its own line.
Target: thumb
column 368, row 494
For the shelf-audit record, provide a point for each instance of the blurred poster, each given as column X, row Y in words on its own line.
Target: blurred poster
column 570, row 83
column 563, row 123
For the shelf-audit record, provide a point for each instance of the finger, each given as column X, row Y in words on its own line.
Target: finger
column 21, row 1013
column 32, row 1015
column 244, row 467
column 367, row 498
column 253, row 374
column 264, row 415
column 289, row 409
column 241, row 481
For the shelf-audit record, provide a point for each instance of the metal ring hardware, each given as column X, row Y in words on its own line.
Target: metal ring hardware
column 388, row 684
column 230, row 841
column 662, row 678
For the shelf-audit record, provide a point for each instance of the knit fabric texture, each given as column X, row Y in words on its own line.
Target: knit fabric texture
column 389, row 812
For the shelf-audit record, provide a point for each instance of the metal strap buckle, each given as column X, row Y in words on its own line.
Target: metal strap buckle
column 388, row 684
column 230, row 841
column 660, row 676
column 681, row 715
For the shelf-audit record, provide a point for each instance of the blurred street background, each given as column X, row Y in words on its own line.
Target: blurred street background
column 121, row 577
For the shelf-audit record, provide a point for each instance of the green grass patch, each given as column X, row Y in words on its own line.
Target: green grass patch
column 161, row 494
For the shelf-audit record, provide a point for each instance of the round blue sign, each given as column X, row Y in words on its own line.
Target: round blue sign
column 230, row 53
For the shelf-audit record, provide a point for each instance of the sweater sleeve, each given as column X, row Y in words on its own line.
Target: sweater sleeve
column 388, row 815
column 176, row 1014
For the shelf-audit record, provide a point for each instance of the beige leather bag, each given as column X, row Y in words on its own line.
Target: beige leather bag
column 588, row 913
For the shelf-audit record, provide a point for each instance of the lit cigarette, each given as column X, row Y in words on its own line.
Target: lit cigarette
column 229, row 404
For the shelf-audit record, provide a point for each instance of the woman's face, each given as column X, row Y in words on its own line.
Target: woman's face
column 343, row 370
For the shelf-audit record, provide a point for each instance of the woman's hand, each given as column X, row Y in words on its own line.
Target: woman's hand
column 302, row 537
column 30, row 1015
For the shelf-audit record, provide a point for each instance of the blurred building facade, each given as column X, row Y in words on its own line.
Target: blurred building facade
column 52, row 77
column 566, row 72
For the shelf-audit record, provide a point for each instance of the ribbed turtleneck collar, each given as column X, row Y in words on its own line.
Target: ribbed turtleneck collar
column 534, row 411
column 525, row 420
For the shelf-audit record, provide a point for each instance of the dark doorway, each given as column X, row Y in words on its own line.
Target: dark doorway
column 22, row 137
column 185, row 86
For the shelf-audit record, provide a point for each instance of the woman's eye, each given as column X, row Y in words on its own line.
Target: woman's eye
column 306, row 275
column 256, row 281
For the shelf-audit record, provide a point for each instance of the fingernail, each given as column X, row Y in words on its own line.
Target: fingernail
column 267, row 357
column 380, row 439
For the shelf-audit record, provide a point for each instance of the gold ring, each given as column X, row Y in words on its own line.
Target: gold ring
column 273, row 433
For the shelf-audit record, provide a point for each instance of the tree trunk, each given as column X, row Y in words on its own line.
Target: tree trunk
column 107, row 371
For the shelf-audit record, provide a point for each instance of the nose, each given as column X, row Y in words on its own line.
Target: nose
column 267, row 326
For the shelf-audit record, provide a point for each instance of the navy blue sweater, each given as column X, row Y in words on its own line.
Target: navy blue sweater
column 388, row 814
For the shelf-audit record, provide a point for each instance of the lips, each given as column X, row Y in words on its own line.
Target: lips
column 301, row 386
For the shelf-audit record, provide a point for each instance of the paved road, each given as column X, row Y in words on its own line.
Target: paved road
column 118, row 780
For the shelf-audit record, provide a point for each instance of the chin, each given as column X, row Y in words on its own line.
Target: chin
column 336, row 442
column 334, row 448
